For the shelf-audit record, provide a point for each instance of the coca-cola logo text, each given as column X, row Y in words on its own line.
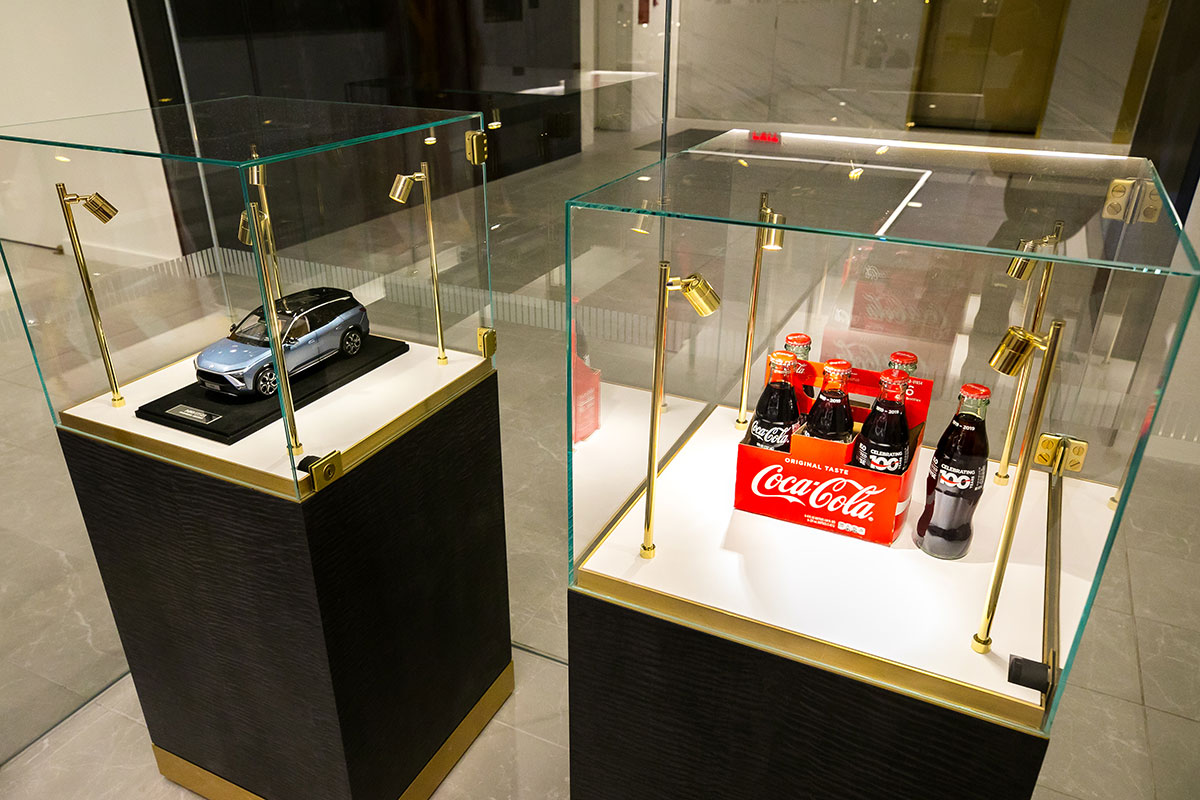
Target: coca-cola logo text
column 770, row 435
column 836, row 495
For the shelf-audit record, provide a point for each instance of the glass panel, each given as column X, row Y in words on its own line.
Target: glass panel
column 221, row 131
column 181, row 297
column 912, row 253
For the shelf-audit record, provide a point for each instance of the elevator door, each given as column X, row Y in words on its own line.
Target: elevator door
column 987, row 64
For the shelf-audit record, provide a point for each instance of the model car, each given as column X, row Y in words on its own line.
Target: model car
column 315, row 324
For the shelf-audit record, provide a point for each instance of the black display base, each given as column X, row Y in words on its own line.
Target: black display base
column 332, row 648
column 662, row 711
column 238, row 417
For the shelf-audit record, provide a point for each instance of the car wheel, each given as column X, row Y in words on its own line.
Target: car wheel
column 352, row 341
column 266, row 383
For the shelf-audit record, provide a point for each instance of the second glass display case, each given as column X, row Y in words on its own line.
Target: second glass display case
column 1055, row 284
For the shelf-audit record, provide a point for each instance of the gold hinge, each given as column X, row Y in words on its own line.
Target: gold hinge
column 1061, row 452
column 326, row 469
column 1132, row 200
column 485, row 340
column 477, row 147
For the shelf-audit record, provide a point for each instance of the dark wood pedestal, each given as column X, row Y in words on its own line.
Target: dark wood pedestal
column 347, row 647
column 662, row 711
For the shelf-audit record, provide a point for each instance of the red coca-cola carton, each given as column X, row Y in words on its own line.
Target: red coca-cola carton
column 815, row 485
column 585, row 386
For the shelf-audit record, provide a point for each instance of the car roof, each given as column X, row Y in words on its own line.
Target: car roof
column 306, row 299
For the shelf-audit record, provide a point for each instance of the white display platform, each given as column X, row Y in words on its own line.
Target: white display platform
column 610, row 465
column 895, row 603
column 334, row 422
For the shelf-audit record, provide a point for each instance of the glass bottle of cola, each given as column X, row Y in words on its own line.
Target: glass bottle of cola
column 800, row 345
column 956, row 478
column 777, row 414
column 882, row 444
column 902, row 359
column 830, row 417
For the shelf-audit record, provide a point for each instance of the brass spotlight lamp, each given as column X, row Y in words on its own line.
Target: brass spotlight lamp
column 1021, row 267
column 401, row 190
column 1013, row 357
column 104, row 211
column 705, row 301
column 767, row 238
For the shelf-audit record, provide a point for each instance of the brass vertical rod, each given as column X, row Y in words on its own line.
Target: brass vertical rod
column 982, row 641
column 656, row 396
column 274, row 286
column 274, row 334
column 433, row 268
column 1014, row 417
column 743, row 419
column 90, row 295
column 1053, row 579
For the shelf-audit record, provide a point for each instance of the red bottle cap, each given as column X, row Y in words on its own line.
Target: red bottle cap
column 797, row 340
column 782, row 360
column 893, row 377
column 837, row 367
column 903, row 357
column 975, row 391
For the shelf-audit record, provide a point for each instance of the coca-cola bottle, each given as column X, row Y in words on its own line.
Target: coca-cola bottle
column 882, row 444
column 777, row 414
column 800, row 345
column 956, row 478
column 902, row 359
column 830, row 417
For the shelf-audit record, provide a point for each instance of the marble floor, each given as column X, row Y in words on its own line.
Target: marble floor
column 1128, row 727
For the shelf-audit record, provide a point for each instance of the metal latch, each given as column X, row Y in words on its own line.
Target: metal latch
column 1132, row 200
column 477, row 147
column 485, row 340
column 324, row 470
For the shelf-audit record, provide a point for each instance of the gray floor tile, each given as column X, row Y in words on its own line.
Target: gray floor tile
column 1175, row 751
column 1042, row 793
column 1107, row 660
column 508, row 764
column 1113, row 592
column 1162, row 526
column 1165, row 589
column 28, row 702
column 95, row 755
column 122, row 698
column 1098, row 749
column 1170, row 665
column 539, row 704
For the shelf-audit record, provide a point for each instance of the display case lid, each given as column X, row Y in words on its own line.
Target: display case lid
column 221, row 132
column 959, row 197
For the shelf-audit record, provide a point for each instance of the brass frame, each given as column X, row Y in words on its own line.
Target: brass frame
column 1015, row 271
column 765, row 216
column 65, row 201
column 981, row 641
column 267, row 482
column 424, row 177
column 214, row 787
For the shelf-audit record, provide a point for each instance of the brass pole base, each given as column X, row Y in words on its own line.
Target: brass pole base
column 119, row 402
column 1000, row 480
column 980, row 647
column 647, row 552
column 1113, row 502
column 298, row 450
column 741, row 424
column 443, row 360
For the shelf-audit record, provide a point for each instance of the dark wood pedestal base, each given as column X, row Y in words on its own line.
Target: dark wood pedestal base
column 347, row 647
column 662, row 711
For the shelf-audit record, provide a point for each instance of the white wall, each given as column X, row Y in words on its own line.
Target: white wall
column 65, row 58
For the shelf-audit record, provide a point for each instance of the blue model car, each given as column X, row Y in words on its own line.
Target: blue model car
column 315, row 324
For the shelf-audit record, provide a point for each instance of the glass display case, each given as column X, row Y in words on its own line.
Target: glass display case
column 1060, row 283
column 145, row 282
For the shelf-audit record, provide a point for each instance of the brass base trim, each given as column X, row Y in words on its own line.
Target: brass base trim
column 431, row 777
column 214, row 787
column 891, row 675
column 270, row 483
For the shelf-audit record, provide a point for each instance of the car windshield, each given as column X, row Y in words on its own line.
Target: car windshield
column 253, row 329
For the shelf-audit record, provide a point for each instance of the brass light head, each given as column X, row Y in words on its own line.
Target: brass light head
column 774, row 236
column 101, row 209
column 700, row 294
column 494, row 124
column 1021, row 267
column 1015, row 349
column 402, row 188
column 431, row 139
column 245, row 231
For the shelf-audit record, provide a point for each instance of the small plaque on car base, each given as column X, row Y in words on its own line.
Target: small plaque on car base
column 193, row 414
